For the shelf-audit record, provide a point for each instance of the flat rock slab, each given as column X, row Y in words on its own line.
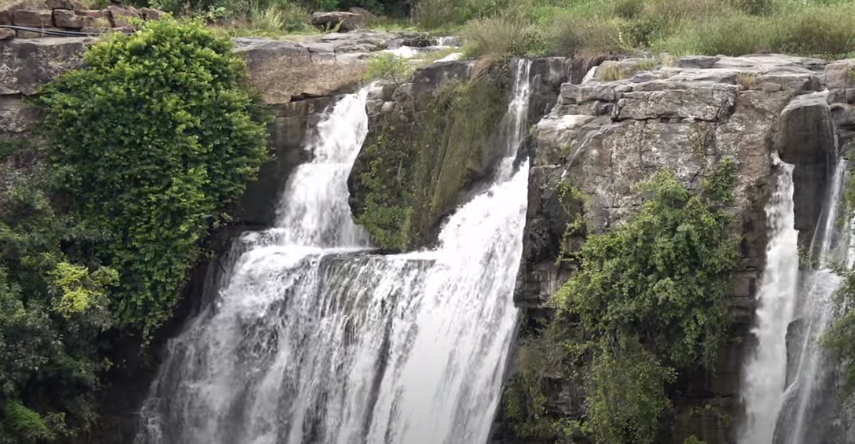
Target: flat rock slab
column 308, row 66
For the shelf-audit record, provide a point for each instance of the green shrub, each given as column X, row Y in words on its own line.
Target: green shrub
column 388, row 66
column 650, row 300
column 503, row 36
column 156, row 135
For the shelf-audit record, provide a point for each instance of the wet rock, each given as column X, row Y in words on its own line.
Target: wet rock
column 805, row 138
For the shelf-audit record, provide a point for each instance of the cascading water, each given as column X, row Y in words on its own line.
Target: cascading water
column 764, row 375
column 810, row 401
column 313, row 339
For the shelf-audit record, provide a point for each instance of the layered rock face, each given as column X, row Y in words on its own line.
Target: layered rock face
column 626, row 121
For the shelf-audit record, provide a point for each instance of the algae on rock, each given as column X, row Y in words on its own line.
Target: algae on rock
column 423, row 150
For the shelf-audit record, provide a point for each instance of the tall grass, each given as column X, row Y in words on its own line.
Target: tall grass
column 591, row 27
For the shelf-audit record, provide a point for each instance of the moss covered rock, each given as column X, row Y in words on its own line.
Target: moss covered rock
column 425, row 148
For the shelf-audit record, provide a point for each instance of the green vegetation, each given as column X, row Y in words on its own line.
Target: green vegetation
column 648, row 301
column 593, row 27
column 415, row 160
column 99, row 225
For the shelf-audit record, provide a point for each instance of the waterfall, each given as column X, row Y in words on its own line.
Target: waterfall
column 764, row 374
column 314, row 339
column 810, row 404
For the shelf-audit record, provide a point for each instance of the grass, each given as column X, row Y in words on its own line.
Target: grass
column 678, row 27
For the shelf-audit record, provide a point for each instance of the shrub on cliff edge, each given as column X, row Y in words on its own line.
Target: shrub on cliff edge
column 155, row 134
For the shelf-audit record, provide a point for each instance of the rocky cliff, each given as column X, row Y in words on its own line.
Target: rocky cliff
column 601, row 134
column 626, row 121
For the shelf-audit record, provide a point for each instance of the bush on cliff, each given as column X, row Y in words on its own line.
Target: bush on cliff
column 648, row 301
column 155, row 136
column 151, row 140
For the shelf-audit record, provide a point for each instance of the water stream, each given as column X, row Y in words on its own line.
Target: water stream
column 810, row 400
column 788, row 387
column 764, row 375
column 314, row 339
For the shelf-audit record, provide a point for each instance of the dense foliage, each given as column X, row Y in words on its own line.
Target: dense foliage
column 150, row 141
column 648, row 301
column 155, row 136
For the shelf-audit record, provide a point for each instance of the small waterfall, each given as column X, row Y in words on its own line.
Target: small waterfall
column 764, row 374
column 313, row 339
column 811, row 402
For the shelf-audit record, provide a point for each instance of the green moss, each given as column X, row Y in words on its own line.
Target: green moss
column 416, row 160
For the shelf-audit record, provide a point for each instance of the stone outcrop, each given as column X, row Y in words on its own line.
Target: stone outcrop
column 432, row 142
column 313, row 66
column 342, row 21
column 630, row 119
column 55, row 18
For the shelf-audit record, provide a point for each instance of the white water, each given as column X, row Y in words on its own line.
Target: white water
column 765, row 372
column 314, row 340
column 807, row 396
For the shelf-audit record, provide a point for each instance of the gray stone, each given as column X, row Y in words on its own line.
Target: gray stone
column 430, row 77
column 26, row 65
column 344, row 21
column 17, row 116
column 703, row 101
column 700, row 62
column 839, row 74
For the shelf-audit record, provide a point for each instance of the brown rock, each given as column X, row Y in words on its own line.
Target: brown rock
column 363, row 13
column 94, row 13
column 8, row 8
column 151, row 14
column 119, row 16
column 6, row 34
column 69, row 19
column 35, row 19
column 70, row 5
column 346, row 21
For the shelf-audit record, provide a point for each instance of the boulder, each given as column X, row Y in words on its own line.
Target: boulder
column 26, row 65
column 805, row 138
column 119, row 16
column 7, row 34
column 345, row 21
column 70, row 19
column 151, row 13
column 33, row 18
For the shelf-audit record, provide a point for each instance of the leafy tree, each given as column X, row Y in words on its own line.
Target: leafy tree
column 155, row 135
column 53, row 304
